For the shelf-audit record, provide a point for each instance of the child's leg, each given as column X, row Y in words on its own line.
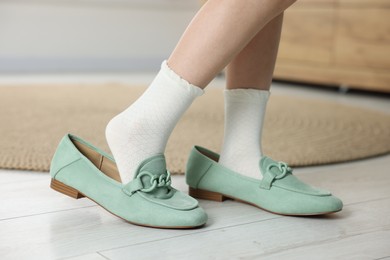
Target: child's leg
column 254, row 66
column 219, row 31
column 249, row 77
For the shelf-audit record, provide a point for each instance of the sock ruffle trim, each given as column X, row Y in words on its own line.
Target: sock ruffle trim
column 195, row 90
column 249, row 95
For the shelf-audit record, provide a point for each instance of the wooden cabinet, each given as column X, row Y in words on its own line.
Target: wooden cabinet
column 339, row 42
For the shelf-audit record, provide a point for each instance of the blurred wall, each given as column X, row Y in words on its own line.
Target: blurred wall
column 89, row 35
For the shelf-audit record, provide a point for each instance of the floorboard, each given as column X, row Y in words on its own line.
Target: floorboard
column 258, row 238
column 371, row 245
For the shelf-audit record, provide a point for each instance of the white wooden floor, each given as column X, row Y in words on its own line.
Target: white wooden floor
column 39, row 223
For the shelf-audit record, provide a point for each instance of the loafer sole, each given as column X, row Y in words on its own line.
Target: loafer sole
column 73, row 193
column 215, row 196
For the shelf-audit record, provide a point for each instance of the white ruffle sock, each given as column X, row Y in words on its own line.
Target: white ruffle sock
column 244, row 115
column 143, row 129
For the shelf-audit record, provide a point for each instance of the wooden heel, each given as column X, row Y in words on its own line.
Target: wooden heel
column 206, row 195
column 65, row 189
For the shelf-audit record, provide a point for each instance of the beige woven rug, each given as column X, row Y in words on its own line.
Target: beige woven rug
column 298, row 131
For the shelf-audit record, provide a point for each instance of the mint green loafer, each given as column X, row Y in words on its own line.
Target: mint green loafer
column 78, row 169
column 279, row 191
